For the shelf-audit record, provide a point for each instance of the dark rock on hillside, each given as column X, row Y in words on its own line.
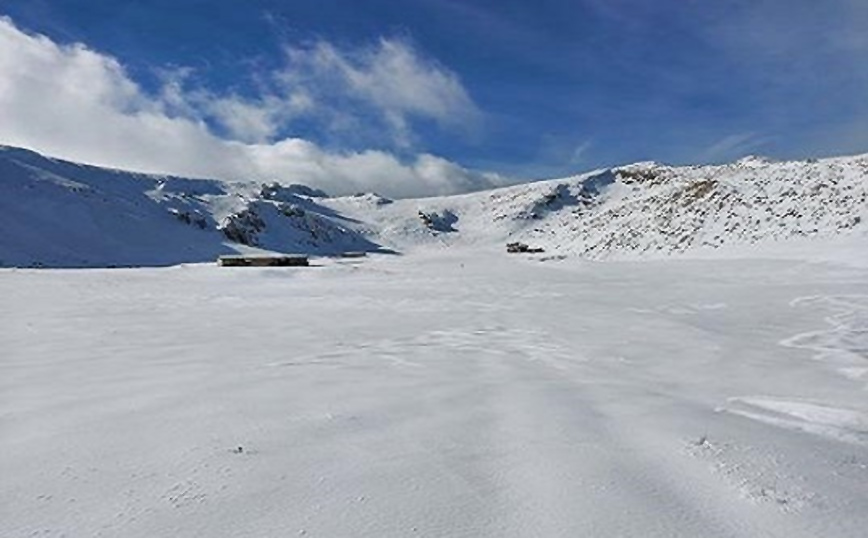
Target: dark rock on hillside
column 443, row 221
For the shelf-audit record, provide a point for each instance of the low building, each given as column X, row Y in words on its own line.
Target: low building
column 520, row 248
column 263, row 260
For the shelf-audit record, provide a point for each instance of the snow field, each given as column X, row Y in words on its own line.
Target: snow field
column 443, row 393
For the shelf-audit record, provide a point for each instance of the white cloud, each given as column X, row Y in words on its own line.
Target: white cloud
column 368, row 170
column 391, row 78
column 258, row 120
column 75, row 103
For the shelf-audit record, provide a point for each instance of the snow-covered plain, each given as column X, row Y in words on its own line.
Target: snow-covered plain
column 448, row 392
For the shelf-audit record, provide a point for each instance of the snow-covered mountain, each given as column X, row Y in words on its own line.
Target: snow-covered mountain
column 57, row 213
column 649, row 208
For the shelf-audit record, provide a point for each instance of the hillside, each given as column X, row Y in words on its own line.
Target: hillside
column 643, row 209
column 57, row 213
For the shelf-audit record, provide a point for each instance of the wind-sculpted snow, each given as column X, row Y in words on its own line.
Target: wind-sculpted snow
column 450, row 393
column 845, row 343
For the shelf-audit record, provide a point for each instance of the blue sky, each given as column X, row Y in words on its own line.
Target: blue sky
column 490, row 91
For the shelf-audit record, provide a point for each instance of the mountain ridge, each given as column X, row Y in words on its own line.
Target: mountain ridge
column 56, row 213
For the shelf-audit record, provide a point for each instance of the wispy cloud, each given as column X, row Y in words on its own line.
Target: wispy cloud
column 580, row 153
column 733, row 146
column 76, row 103
column 793, row 70
column 558, row 155
column 381, row 88
column 391, row 79
column 805, row 65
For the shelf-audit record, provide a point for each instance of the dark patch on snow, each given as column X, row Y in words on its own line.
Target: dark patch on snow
column 443, row 221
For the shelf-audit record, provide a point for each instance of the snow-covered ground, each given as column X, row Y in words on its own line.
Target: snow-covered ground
column 448, row 392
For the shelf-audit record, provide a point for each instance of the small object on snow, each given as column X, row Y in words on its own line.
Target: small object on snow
column 263, row 261
column 238, row 450
column 426, row 220
column 522, row 248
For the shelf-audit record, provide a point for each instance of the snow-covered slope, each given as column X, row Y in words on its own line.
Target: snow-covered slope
column 56, row 213
column 644, row 208
column 61, row 214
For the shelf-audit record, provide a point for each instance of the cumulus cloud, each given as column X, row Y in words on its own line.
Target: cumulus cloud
column 76, row 103
column 368, row 170
column 257, row 120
